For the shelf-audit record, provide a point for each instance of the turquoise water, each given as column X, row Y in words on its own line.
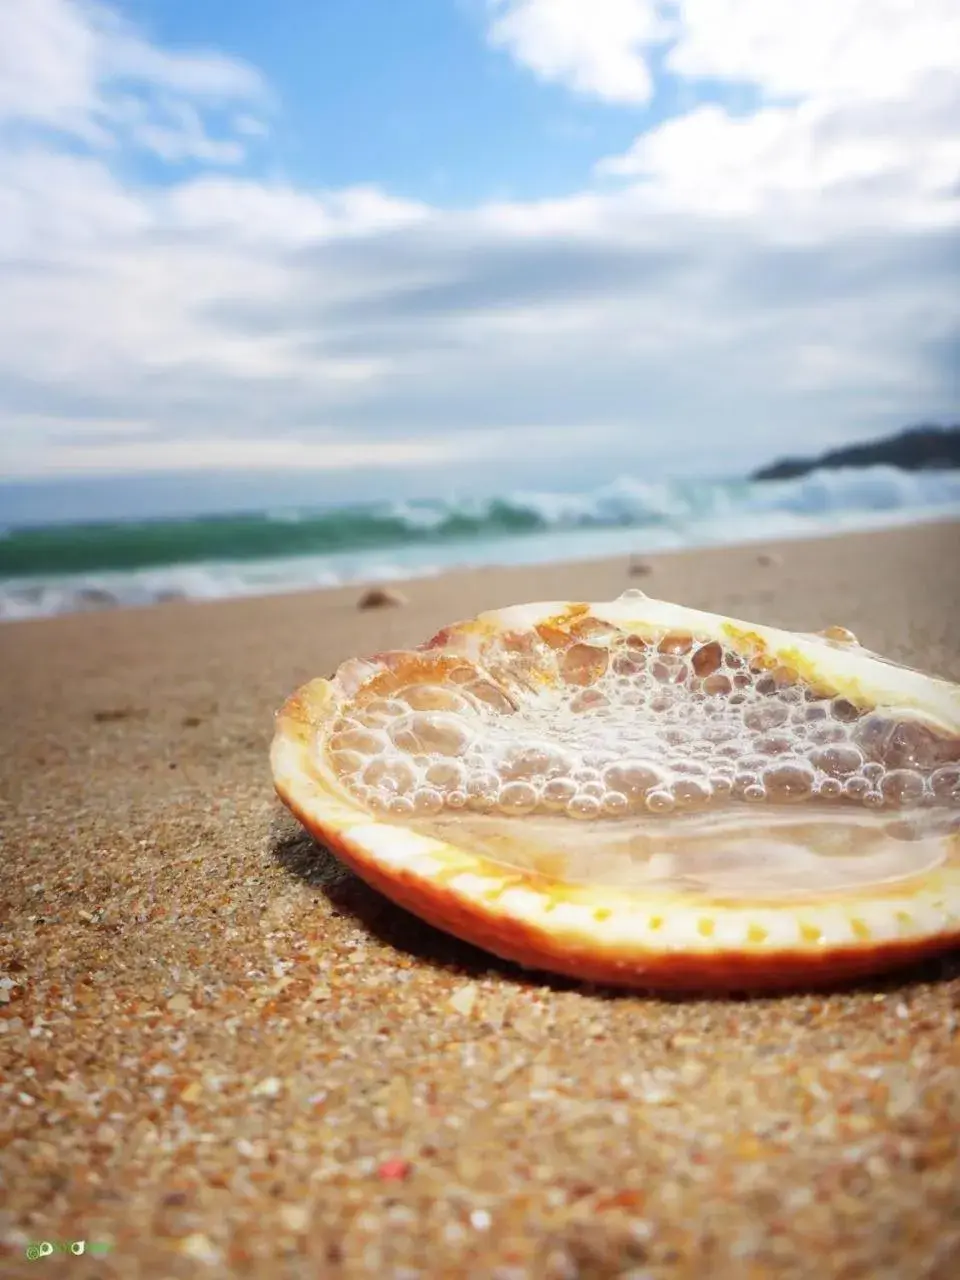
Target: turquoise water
column 63, row 568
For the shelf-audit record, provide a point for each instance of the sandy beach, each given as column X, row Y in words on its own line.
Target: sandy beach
column 223, row 1055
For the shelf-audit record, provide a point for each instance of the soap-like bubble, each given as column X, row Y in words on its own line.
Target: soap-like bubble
column 634, row 778
column 614, row 804
column 539, row 759
column 433, row 732
column 558, row 793
column 791, row 781
column 446, row 775
column 708, row 659
column 583, row 664
column 517, row 798
column 691, row 793
column 945, row 782
column 591, row 724
column 379, row 711
column 830, row 788
column 427, row 801
column 583, row 806
column 902, row 786
column 366, row 742
column 391, row 775
column 433, row 697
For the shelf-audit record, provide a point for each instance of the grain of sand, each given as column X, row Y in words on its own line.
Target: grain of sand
column 223, row 1055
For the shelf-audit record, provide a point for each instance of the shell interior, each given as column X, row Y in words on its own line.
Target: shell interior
column 588, row 752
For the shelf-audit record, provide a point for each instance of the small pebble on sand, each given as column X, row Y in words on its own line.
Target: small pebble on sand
column 381, row 598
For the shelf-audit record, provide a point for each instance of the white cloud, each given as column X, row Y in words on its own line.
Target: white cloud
column 111, row 455
column 596, row 47
column 282, row 215
column 746, row 286
column 856, row 127
column 838, row 48
column 77, row 68
column 811, row 167
column 787, row 49
column 47, row 65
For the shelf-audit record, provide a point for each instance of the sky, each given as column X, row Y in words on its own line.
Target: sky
column 356, row 247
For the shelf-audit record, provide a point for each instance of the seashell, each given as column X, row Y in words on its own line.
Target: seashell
column 638, row 793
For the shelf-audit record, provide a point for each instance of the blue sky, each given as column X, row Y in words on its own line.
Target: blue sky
column 381, row 247
column 405, row 96
column 412, row 98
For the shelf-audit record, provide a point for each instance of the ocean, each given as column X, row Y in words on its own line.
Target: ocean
column 63, row 568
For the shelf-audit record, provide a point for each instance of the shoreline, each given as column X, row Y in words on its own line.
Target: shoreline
column 221, row 1054
column 106, row 590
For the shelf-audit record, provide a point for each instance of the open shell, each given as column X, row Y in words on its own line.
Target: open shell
column 757, row 910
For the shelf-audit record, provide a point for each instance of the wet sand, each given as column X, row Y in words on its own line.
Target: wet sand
column 223, row 1055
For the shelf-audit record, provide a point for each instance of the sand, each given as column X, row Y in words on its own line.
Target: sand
column 222, row 1055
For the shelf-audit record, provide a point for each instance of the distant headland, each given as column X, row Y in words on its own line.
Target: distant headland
column 923, row 448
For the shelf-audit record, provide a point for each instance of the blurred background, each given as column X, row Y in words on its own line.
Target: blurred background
column 312, row 293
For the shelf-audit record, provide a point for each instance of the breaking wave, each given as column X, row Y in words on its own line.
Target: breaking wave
column 64, row 568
